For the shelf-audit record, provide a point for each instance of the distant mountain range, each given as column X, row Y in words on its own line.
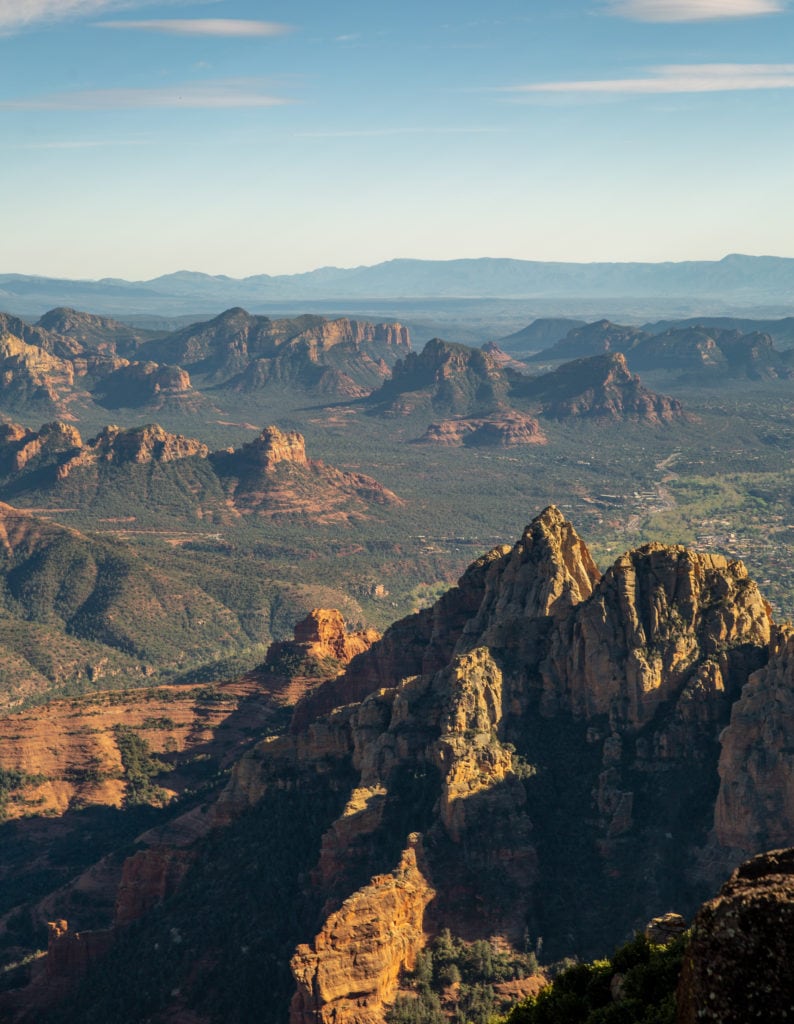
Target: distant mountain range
column 737, row 281
column 686, row 347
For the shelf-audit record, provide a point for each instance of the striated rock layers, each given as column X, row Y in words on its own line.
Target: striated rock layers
column 323, row 636
column 737, row 967
column 501, row 430
column 344, row 357
column 553, row 735
column 320, row 649
column 351, row 969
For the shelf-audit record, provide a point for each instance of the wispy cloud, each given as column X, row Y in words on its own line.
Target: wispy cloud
column 79, row 144
column 201, row 26
column 368, row 133
column 218, row 95
column 19, row 13
column 692, row 10
column 677, row 78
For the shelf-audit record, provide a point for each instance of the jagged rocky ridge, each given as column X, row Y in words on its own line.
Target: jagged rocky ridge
column 688, row 349
column 599, row 387
column 270, row 476
column 541, row 753
column 249, row 352
column 491, row 404
column 69, row 360
column 552, row 716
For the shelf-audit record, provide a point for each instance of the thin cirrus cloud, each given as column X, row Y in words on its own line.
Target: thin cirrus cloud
column 220, row 95
column 367, row 133
column 692, row 10
column 16, row 14
column 201, row 26
column 676, row 78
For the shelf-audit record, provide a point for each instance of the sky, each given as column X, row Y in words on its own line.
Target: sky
column 239, row 137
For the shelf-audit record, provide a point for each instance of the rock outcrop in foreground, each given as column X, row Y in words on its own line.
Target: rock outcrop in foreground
column 551, row 732
column 738, row 967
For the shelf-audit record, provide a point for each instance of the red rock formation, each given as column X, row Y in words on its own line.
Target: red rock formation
column 321, row 648
column 272, row 476
column 148, row 877
column 351, row 970
column 69, row 954
column 274, row 446
column 617, row 688
column 654, row 613
column 146, row 384
column 29, row 373
column 20, row 446
column 137, row 445
column 324, row 634
column 502, row 430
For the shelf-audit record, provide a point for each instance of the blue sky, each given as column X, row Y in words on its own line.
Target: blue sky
column 236, row 137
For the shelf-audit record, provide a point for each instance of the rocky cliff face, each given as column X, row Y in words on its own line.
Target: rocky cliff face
column 323, row 636
column 30, row 375
column 152, row 385
column 537, row 754
column 274, row 446
column 137, row 445
column 443, row 378
column 253, row 352
column 21, row 448
column 537, row 727
column 755, row 803
column 600, row 387
column 501, row 430
column 58, row 448
column 351, row 970
column 321, row 648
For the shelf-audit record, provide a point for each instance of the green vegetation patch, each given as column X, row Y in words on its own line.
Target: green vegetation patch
column 464, row 972
column 635, row 986
column 139, row 768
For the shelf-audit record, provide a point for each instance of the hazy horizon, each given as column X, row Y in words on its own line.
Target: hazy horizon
column 187, row 270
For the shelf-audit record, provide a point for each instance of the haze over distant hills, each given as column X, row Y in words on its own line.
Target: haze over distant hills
column 735, row 282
